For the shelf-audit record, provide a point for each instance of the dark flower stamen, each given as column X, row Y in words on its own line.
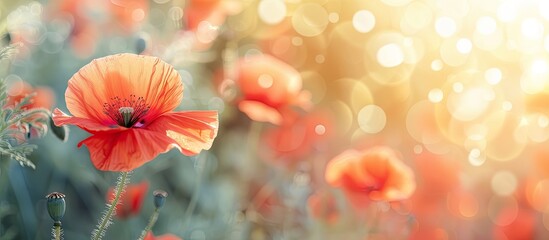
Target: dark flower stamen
column 126, row 112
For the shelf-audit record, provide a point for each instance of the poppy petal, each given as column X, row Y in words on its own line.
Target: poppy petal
column 193, row 131
column 260, row 112
column 60, row 118
column 168, row 236
column 126, row 150
column 123, row 76
column 336, row 169
column 131, row 201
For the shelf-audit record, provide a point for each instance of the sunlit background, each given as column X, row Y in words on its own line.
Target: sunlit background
column 458, row 88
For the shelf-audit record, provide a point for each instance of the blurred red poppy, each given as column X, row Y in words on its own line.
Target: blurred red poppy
column 43, row 98
column 523, row 227
column 436, row 177
column 89, row 25
column 131, row 201
column 373, row 174
column 323, row 205
column 269, row 87
column 298, row 137
column 35, row 125
column 168, row 236
column 126, row 101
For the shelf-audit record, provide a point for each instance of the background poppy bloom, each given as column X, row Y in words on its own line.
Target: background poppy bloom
column 131, row 201
column 35, row 125
column 126, row 102
column 168, row 236
column 44, row 97
column 323, row 205
column 297, row 139
column 269, row 86
column 374, row 174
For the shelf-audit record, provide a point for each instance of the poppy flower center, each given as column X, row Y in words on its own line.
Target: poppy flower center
column 127, row 112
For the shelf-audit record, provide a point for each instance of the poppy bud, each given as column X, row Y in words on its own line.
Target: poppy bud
column 140, row 45
column 61, row 132
column 56, row 206
column 159, row 198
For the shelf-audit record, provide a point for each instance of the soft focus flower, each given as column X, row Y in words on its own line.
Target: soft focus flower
column 436, row 177
column 34, row 125
column 43, row 98
column 88, row 20
column 203, row 19
column 131, row 201
column 126, row 102
column 522, row 227
column 212, row 12
column 269, row 87
column 168, row 236
column 373, row 174
column 298, row 138
column 323, row 205
column 128, row 14
column 85, row 33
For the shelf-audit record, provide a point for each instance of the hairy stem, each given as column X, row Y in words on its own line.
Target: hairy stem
column 106, row 219
column 152, row 221
column 57, row 231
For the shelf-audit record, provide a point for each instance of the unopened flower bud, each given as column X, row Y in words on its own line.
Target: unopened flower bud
column 159, row 198
column 56, row 206
column 61, row 132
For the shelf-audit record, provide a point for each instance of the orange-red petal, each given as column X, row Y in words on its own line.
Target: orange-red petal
column 260, row 112
column 60, row 118
column 375, row 174
column 122, row 75
column 131, row 201
column 126, row 150
column 168, row 236
column 193, row 131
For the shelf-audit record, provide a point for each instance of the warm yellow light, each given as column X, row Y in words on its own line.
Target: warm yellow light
column 464, row 45
column 371, row 119
column 486, row 25
column 532, row 28
column 445, row 26
column 364, row 21
column 435, row 95
column 390, row 55
column 272, row 11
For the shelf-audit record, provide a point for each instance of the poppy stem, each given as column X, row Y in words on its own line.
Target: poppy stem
column 106, row 220
column 57, row 231
column 194, row 199
column 152, row 221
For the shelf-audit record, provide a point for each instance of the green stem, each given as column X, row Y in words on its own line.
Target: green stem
column 4, row 183
column 57, row 231
column 149, row 226
column 196, row 192
column 106, row 219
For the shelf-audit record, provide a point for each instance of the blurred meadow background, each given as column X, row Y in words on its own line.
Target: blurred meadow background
column 457, row 90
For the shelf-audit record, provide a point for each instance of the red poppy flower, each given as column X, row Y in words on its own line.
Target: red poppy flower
column 168, row 236
column 131, row 201
column 269, row 87
column 374, row 174
column 35, row 125
column 124, row 16
column 212, row 11
column 126, row 101
column 44, row 97
column 297, row 139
